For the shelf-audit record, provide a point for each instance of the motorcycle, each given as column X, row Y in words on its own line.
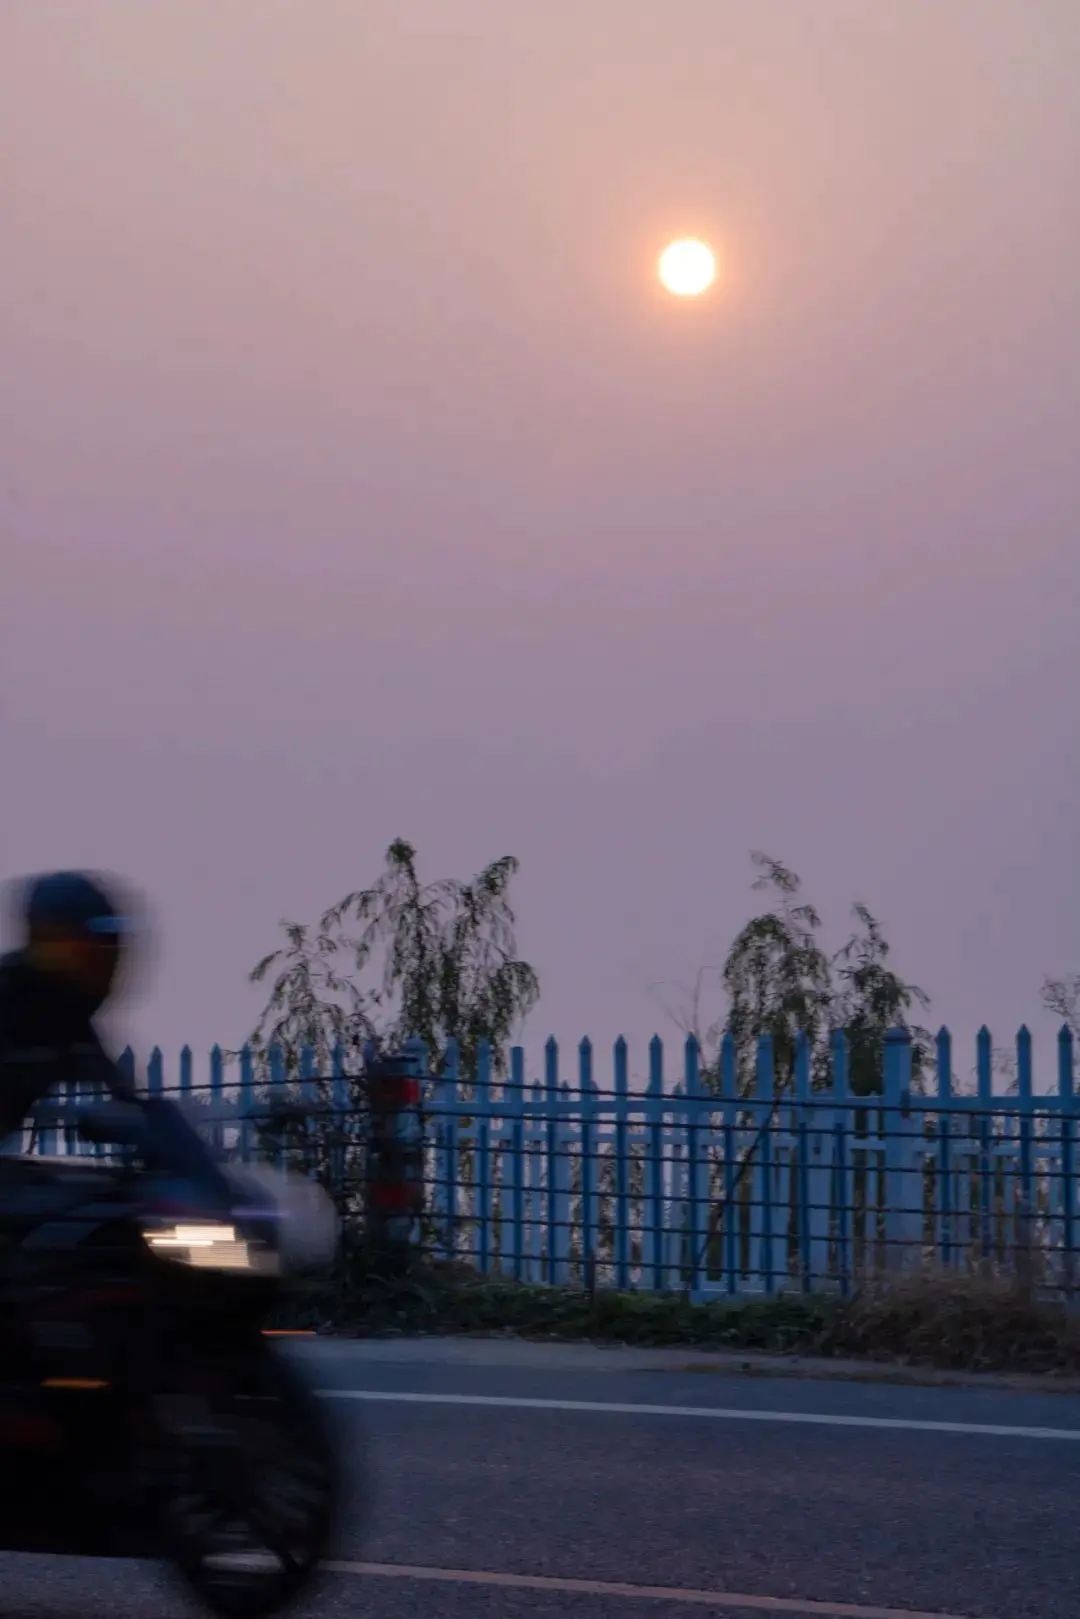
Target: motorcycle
column 144, row 1411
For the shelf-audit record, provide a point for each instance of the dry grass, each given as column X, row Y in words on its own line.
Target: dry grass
column 956, row 1322
column 943, row 1320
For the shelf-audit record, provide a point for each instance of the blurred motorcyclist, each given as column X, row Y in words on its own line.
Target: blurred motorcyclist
column 51, row 989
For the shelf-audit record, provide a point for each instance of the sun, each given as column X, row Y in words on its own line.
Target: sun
column 687, row 268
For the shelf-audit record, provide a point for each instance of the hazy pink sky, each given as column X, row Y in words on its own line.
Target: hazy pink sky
column 356, row 481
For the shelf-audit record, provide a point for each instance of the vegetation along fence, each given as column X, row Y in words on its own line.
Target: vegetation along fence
column 738, row 1179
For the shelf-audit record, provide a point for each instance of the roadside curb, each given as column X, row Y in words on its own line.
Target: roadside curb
column 506, row 1349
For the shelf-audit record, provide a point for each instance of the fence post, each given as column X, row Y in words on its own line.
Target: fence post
column 155, row 1073
column 675, row 1205
column 623, row 1240
column 309, row 1095
column 1023, row 1202
column 654, row 1165
column 842, row 1179
column 559, row 1136
column 395, row 1164
column 482, row 1160
column 552, row 1211
column 216, row 1092
column 943, row 1179
column 512, row 1243
column 985, row 1128
column 695, row 1269
column 1067, row 1096
column 447, row 1156
column 732, row 1226
column 590, row 1202
column 277, row 1096
column 808, row 1228
column 535, row 1129
column 761, row 1209
column 903, row 1141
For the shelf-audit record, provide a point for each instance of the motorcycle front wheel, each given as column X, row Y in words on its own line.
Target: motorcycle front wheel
column 254, row 1507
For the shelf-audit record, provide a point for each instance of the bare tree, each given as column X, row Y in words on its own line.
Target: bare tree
column 1061, row 996
column 439, row 959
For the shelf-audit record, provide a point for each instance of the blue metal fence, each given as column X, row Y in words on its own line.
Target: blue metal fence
column 714, row 1184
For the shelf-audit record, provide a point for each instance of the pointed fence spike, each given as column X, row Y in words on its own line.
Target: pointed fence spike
column 984, row 1063
column 155, row 1072
column 656, row 1066
column 839, row 1062
column 802, row 1067
column 729, row 1077
column 1023, row 1064
column 551, row 1064
column 943, row 1045
column 585, row 1067
column 764, row 1068
column 692, row 1066
column 1066, row 1074
column 621, row 1069
column 483, row 1069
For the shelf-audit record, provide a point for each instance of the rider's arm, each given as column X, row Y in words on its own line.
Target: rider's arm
column 26, row 1076
column 93, row 1066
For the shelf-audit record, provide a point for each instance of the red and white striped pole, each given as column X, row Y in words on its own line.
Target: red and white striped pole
column 395, row 1160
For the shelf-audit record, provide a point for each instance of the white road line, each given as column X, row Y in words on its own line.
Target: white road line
column 711, row 1413
column 643, row 1593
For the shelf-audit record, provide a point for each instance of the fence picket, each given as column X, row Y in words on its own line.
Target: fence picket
column 763, row 1208
column 675, row 1218
column 247, row 1104
column 446, row 1151
column 697, row 1185
column 985, row 1081
column 512, row 1239
column 732, row 1267
column 590, row 1202
column 842, row 1178
column 535, row 1135
column 481, row 1253
column 654, row 1164
column 943, row 1183
column 623, row 1236
column 904, row 1149
column 1066, row 1093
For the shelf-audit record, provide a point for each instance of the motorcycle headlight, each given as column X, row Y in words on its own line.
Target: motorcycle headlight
column 206, row 1245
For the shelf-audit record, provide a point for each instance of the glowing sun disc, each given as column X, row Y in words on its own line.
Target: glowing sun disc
column 687, row 268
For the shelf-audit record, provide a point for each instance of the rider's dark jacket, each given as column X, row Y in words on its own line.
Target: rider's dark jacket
column 47, row 1035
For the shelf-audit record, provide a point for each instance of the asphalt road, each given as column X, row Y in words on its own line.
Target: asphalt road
column 524, row 1482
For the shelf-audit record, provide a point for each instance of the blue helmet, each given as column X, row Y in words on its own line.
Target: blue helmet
column 75, row 903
